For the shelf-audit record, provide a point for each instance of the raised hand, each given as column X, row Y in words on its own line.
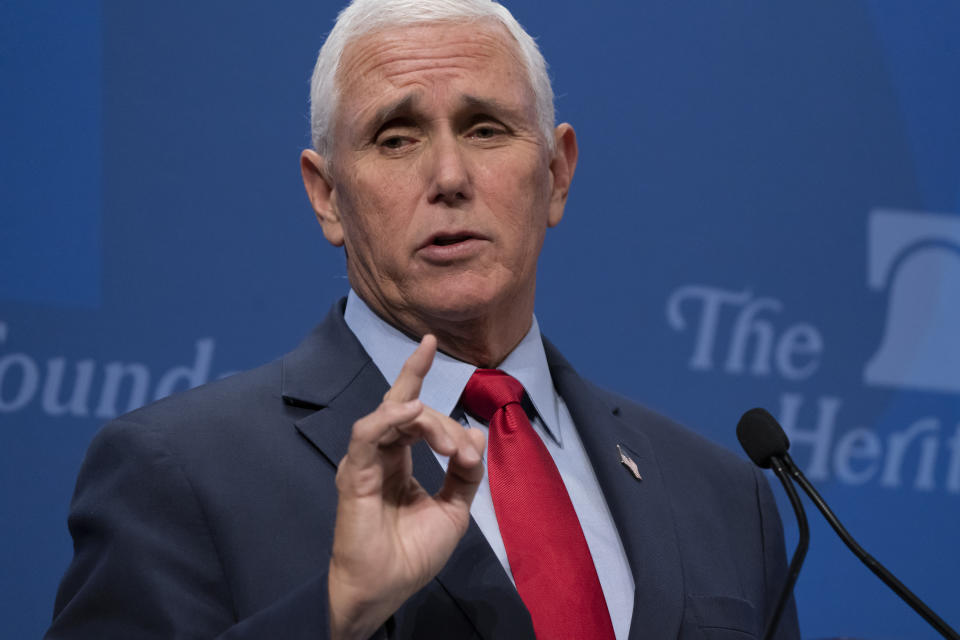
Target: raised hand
column 391, row 536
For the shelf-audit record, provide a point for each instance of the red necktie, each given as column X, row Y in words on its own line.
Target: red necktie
column 548, row 554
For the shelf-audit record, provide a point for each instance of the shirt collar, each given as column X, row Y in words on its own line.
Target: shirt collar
column 389, row 348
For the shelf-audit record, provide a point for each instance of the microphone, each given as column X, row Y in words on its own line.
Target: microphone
column 763, row 439
column 766, row 444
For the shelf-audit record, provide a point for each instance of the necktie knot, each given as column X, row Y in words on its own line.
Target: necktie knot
column 488, row 391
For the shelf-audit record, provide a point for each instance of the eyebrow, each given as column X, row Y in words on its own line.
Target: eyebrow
column 489, row 105
column 408, row 106
column 404, row 106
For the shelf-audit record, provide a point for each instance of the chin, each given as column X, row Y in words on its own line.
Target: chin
column 461, row 304
column 458, row 309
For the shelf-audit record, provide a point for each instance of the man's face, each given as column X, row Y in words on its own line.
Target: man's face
column 441, row 185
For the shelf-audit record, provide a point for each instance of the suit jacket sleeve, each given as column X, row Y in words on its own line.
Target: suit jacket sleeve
column 145, row 563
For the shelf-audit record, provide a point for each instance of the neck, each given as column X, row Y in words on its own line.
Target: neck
column 481, row 344
column 483, row 341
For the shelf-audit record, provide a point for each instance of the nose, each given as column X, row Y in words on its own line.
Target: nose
column 449, row 174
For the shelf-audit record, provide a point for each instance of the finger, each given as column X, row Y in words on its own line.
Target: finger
column 396, row 424
column 408, row 382
column 470, row 454
column 442, row 433
column 464, row 472
column 369, row 431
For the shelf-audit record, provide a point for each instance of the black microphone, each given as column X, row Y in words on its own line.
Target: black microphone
column 763, row 439
column 767, row 445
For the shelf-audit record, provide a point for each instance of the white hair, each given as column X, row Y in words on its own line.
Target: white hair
column 365, row 16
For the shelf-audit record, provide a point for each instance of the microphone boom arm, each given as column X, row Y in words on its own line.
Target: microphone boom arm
column 872, row 563
column 799, row 553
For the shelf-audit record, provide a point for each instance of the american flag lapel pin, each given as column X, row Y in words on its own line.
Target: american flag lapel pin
column 628, row 462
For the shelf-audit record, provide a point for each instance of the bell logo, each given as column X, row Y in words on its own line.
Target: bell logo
column 915, row 259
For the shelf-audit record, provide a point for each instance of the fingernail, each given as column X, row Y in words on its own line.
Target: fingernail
column 412, row 404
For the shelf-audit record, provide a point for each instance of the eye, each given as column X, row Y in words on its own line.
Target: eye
column 396, row 134
column 486, row 131
column 394, row 142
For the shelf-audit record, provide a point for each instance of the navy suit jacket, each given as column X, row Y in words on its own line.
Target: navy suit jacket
column 210, row 514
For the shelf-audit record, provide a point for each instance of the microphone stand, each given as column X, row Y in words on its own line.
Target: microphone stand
column 799, row 553
column 872, row 563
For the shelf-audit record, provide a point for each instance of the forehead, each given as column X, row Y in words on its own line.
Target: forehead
column 431, row 57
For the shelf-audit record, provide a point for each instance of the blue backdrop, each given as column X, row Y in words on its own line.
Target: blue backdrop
column 766, row 212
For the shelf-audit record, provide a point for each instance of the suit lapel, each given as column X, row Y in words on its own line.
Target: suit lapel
column 331, row 372
column 473, row 576
column 640, row 508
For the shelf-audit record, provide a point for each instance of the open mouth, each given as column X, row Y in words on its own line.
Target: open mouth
column 443, row 241
column 448, row 247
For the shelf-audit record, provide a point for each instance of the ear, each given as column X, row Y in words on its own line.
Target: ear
column 320, row 191
column 561, row 168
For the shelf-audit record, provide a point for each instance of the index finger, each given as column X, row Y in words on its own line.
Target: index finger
column 408, row 382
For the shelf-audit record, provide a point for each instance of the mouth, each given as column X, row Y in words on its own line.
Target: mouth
column 448, row 247
column 447, row 240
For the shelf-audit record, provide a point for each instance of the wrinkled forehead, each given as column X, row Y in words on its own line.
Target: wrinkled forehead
column 397, row 53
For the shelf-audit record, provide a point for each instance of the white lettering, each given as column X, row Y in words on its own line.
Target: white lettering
column 798, row 341
column 928, row 458
column 77, row 405
column 762, row 330
column 29, row 379
column 862, row 444
column 754, row 345
column 193, row 376
column 711, row 298
column 898, row 446
column 953, row 470
column 139, row 377
column 820, row 438
column 63, row 394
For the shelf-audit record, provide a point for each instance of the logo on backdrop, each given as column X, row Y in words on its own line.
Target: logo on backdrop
column 915, row 259
column 86, row 388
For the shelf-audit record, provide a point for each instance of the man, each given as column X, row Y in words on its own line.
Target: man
column 308, row 498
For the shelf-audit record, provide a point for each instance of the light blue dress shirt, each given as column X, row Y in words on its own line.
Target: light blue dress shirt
column 442, row 387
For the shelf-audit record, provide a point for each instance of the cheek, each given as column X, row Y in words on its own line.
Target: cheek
column 375, row 216
column 388, row 186
column 518, row 193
